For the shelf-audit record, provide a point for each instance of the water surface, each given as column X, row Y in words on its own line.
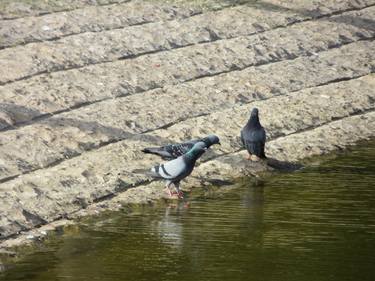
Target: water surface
column 315, row 224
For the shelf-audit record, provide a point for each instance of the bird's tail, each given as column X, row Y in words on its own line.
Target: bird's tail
column 151, row 150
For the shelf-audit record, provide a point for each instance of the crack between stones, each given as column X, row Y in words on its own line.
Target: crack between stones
column 214, row 39
column 84, row 104
column 170, row 124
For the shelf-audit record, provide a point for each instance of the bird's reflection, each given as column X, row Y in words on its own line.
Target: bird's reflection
column 170, row 227
column 253, row 198
column 2, row 267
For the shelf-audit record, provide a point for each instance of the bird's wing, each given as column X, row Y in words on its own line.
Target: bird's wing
column 160, row 151
column 175, row 167
column 255, row 142
column 179, row 149
column 255, row 148
column 242, row 138
column 264, row 135
column 263, row 142
column 170, row 170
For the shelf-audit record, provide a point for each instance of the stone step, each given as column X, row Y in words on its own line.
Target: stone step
column 46, row 195
column 283, row 115
column 89, row 19
column 71, row 133
column 16, row 9
column 223, row 169
column 61, row 91
column 93, row 48
column 297, row 146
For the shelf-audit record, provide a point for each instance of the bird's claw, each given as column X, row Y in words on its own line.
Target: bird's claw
column 180, row 194
column 167, row 190
column 172, row 194
column 254, row 158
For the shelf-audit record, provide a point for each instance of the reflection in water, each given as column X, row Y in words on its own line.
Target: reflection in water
column 315, row 224
column 168, row 229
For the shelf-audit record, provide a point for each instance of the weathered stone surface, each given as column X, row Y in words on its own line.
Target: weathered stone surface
column 296, row 146
column 10, row 9
column 63, row 188
column 71, row 133
column 91, row 48
column 89, row 19
column 99, row 18
column 77, row 134
column 325, row 138
column 60, row 91
column 283, row 115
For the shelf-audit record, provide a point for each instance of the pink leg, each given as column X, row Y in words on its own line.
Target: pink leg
column 168, row 190
column 180, row 194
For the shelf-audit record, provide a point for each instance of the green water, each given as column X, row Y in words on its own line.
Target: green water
column 315, row 224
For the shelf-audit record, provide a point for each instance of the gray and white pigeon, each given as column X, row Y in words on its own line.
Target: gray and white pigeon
column 253, row 137
column 172, row 151
column 177, row 169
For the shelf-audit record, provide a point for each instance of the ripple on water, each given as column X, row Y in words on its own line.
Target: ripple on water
column 314, row 224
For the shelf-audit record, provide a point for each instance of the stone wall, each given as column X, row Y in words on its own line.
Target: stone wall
column 84, row 90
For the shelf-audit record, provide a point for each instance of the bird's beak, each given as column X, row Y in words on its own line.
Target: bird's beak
column 219, row 143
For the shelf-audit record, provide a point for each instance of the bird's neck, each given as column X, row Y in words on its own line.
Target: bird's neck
column 206, row 141
column 193, row 155
column 189, row 158
column 253, row 122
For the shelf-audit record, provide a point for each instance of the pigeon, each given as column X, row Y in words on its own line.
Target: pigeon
column 172, row 151
column 177, row 169
column 253, row 137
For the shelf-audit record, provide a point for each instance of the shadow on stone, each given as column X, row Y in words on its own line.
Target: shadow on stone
column 11, row 114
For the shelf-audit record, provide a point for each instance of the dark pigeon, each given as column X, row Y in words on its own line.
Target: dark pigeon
column 172, row 151
column 253, row 136
column 177, row 169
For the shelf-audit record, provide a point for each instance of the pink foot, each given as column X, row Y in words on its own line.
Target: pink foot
column 173, row 194
column 168, row 191
column 180, row 195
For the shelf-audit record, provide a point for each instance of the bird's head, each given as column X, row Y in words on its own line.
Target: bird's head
column 210, row 140
column 254, row 118
column 254, row 112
